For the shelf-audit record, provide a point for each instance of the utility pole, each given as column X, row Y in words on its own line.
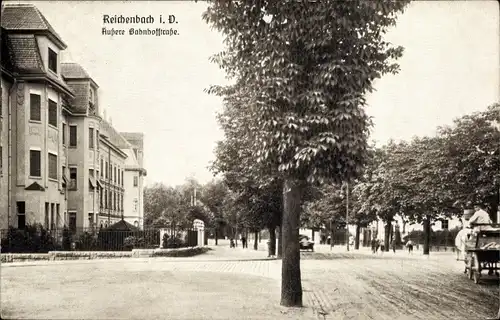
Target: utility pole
column 347, row 216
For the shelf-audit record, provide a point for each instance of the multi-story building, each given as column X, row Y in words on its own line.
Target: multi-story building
column 112, row 160
column 134, row 178
column 34, row 96
column 61, row 163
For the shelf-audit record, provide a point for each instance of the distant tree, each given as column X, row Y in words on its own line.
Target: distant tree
column 213, row 196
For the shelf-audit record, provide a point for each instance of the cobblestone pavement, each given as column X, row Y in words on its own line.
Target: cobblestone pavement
column 346, row 285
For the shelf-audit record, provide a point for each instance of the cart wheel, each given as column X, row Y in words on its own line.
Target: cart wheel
column 477, row 277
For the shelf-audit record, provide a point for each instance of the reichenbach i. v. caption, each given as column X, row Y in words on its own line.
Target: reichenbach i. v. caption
column 121, row 19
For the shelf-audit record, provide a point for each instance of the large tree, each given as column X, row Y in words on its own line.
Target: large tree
column 471, row 145
column 303, row 69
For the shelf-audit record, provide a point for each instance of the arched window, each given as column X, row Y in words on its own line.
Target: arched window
column 136, row 224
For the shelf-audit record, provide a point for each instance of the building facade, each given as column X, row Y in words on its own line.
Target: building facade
column 61, row 162
column 134, row 178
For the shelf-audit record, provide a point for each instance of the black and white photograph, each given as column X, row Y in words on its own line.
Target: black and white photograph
column 250, row 159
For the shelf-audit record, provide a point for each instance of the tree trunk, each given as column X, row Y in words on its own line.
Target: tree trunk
column 427, row 234
column 256, row 240
column 332, row 234
column 216, row 236
column 280, row 243
column 291, row 284
column 387, row 234
column 272, row 241
column 356, row 240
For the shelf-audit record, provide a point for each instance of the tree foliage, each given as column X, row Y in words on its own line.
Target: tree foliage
column 300, row 73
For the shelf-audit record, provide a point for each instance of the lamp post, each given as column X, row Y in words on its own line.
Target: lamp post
column 347, row 216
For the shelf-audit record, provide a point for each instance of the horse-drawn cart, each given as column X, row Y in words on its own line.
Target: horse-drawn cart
column 485, row 254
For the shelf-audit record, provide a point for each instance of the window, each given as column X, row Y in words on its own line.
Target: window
column 35, row 107
column 46, row 225
column 1, row 161
column 21, row 214
column 91, row 96
column 35, row 163
column 102, row 168
column 52, row 61
column 122, row 178
column 100, row 198
column 58, row 215
column 97, row 139
column 91, row 138
column 73, row 178
column 91, row 219
column 114, row 174
column 122, row 202
column 118, row 177
column 107, row 170
column 64, row 175
column 52, row 216
column 444, row 224
column 136, row 181
column 105, row 199
column 53, row 113
column 72, row 136
column 64, row 134
column 53, row 166
column 110, row 205
column 72, row 221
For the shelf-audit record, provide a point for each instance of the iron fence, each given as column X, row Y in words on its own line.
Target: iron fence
column 40, row 240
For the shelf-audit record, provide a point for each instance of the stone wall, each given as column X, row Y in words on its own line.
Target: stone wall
column 91, row 255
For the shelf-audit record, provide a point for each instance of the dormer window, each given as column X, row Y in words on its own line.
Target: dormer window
column 52, row 61
column 91, row 101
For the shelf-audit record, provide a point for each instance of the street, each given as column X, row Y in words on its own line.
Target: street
column 227, row 283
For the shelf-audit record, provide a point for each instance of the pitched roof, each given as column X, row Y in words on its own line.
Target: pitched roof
column 70, row 70
column 122, row 225
column 114, row 136
column 79, row 80
column 22, row 53
column 26, row 17
column 135, row 138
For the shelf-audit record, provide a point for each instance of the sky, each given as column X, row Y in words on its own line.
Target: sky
column 155, row 85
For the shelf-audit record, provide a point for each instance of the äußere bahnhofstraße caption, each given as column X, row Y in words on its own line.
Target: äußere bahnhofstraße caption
column 140, row 32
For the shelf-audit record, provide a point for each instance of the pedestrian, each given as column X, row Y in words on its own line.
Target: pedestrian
column 393, row 244
column 480, row 217
column 244, row 242
column 382, row 246
column 231, row 243
column 409, row 245
column 374, row 245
